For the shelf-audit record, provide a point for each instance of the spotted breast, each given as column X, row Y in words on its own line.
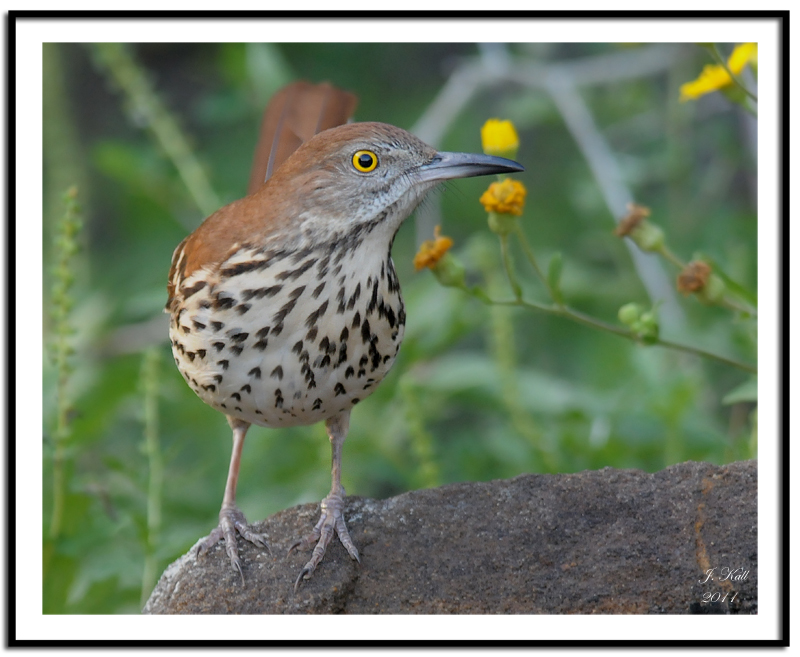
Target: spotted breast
column 282, row 338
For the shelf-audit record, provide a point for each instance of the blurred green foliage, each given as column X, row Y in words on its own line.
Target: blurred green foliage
column 477, row 393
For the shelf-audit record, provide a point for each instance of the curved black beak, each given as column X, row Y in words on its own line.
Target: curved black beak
column 445, row 166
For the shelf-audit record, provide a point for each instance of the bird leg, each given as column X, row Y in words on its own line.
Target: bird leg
column 231, row 519
column 332, row 507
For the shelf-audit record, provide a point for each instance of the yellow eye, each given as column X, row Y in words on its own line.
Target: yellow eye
column 365, row 161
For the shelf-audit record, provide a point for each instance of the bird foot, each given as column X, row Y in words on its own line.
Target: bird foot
column 231, row 521
column 332, row 519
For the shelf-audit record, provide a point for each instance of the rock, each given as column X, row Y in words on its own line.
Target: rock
column 606, row 541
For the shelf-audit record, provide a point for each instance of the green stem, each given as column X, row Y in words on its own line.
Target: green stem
column 716, row 54
column 62, row 302
column 427, row 474
column 563, row 310
column 671, row 257
column 575, row 315
column 528, row 251
column 58, row 488
column 502, row 347
column 508, row 267
column 60, row 437
column 747, row 367
column 730, row 304
column 152, row 448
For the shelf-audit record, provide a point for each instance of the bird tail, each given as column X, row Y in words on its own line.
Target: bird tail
column 294, row 115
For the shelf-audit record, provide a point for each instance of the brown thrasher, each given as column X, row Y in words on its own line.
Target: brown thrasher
column 285, row 305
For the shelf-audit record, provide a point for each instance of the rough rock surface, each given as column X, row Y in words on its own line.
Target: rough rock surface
column 607, row 541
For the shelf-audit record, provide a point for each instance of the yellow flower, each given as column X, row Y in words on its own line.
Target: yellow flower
column 431, row 251
column 741, row 55
column 715, row 77
column 499, row 138
column 507, row 197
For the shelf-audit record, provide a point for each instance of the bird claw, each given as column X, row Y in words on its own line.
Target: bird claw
column 304, row 574
column 331, row 521
column 231, row 522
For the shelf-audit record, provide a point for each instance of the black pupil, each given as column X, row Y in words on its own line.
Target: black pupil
column 365, row 160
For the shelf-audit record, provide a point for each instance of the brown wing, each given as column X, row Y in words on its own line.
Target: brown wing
column 294, row 115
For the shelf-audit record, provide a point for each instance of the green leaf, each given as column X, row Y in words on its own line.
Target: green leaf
column 554, row 277
column 747, row 391
column 478, row 293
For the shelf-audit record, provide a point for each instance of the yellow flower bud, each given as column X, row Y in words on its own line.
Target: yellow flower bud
column 629, row 313
column 499, row 138
column 647, row 327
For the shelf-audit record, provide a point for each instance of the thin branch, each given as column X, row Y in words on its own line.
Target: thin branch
column 570, row 313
